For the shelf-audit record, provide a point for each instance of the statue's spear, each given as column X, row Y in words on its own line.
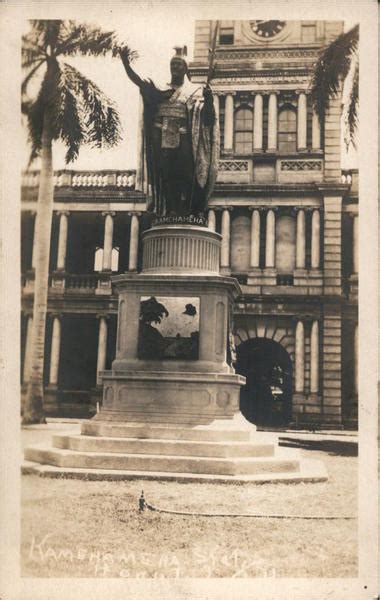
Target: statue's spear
column 211, row 53
column 211, row 68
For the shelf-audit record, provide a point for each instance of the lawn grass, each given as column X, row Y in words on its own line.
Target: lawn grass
column 74, row 528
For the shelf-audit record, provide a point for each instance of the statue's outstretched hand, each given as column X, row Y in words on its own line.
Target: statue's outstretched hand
column 125, row 55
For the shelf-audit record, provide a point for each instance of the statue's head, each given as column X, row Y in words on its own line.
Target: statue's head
column 178, row 64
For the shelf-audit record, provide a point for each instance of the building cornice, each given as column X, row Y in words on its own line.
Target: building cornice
column 332, row 189
column 267, row 189
column 251, row 72
column 95, row 195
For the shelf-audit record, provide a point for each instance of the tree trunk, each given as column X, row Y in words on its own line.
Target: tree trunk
column 33, row 408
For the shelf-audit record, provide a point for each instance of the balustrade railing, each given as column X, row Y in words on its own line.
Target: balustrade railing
column 84, row 179
column 234, row 168
column 87, row 281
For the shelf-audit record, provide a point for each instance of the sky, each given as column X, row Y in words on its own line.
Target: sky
column 153, row 34
column 155, row 51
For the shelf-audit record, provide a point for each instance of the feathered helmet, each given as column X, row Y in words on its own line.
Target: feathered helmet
column 180, row 53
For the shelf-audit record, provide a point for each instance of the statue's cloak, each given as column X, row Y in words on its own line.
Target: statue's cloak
column 204, row 141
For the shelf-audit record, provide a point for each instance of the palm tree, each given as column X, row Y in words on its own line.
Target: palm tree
column 71, row 108
column 338, row 64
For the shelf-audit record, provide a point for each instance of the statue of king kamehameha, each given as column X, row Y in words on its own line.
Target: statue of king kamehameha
column 180, row 146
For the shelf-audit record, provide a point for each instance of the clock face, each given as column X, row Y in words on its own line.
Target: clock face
column 267, row 29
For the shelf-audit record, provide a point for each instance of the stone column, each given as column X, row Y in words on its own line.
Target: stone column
column 229, row 123
column 315, row 240
column 300, row 358
column 133, row 242
column 258, row 122
column 332, row 250
column 314, row 358
column 102, row 347
column 315, row 132
column 356, row 360
column 28, row 348
column 216, row 104
column 301, row 121
column 270, row 240
column 139, row 185
column 55, row 351
column 62, row 240
column 300, row 244
column 355, row 244
column 211, row 219
column 255, row 239
column 226, row 233
column 272, row 122
column 108, row 241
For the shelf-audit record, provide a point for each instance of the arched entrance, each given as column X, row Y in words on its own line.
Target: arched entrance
column 266, row 398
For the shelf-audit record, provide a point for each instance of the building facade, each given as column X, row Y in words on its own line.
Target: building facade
column 288, row 217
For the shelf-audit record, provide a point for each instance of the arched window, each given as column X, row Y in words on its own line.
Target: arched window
column 285, row 245
column 287, row 130
column 243, row 131
column 115, row 259
column 240, row 243
column 98, row 260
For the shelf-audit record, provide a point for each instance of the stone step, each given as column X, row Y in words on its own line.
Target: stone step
column 168, row 432
column 162, row 463
column 311, row 471
column 161, row 446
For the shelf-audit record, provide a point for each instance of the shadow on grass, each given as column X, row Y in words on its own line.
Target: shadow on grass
column 333, row 447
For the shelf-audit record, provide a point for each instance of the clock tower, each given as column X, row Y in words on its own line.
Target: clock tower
column 287, row 219
column 265, row 30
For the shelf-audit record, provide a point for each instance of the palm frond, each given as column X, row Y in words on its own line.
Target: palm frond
column 72, row 132
column 79, row 112
column 31, row 50
column 131, row 55
column 100, row 115
column 332, row 68
column 47, row 30
column 39, row 25
column 351, row 110
column 26, row 106
column 49, row 98
column 82, row 39
column 29, row 76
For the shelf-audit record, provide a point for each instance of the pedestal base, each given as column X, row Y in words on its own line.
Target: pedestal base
column 222, row 452
column 169, row 397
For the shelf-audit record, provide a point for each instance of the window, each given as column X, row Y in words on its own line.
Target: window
column 98, row 261
column 115, row 259
column 285, row 279
column 308, row 32
column 221, row 121
column 243, row 131
column 287, row 131
column 285, row 248
column 226, row 35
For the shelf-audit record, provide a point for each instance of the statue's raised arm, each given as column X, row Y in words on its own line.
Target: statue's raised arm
column 136, row 79
column 181, row 141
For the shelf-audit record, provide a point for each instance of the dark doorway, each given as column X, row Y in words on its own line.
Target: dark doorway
column 79, row 348
column 266, row 398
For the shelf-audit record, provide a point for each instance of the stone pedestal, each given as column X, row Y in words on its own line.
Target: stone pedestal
column 170, row 406
column 184, row 377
